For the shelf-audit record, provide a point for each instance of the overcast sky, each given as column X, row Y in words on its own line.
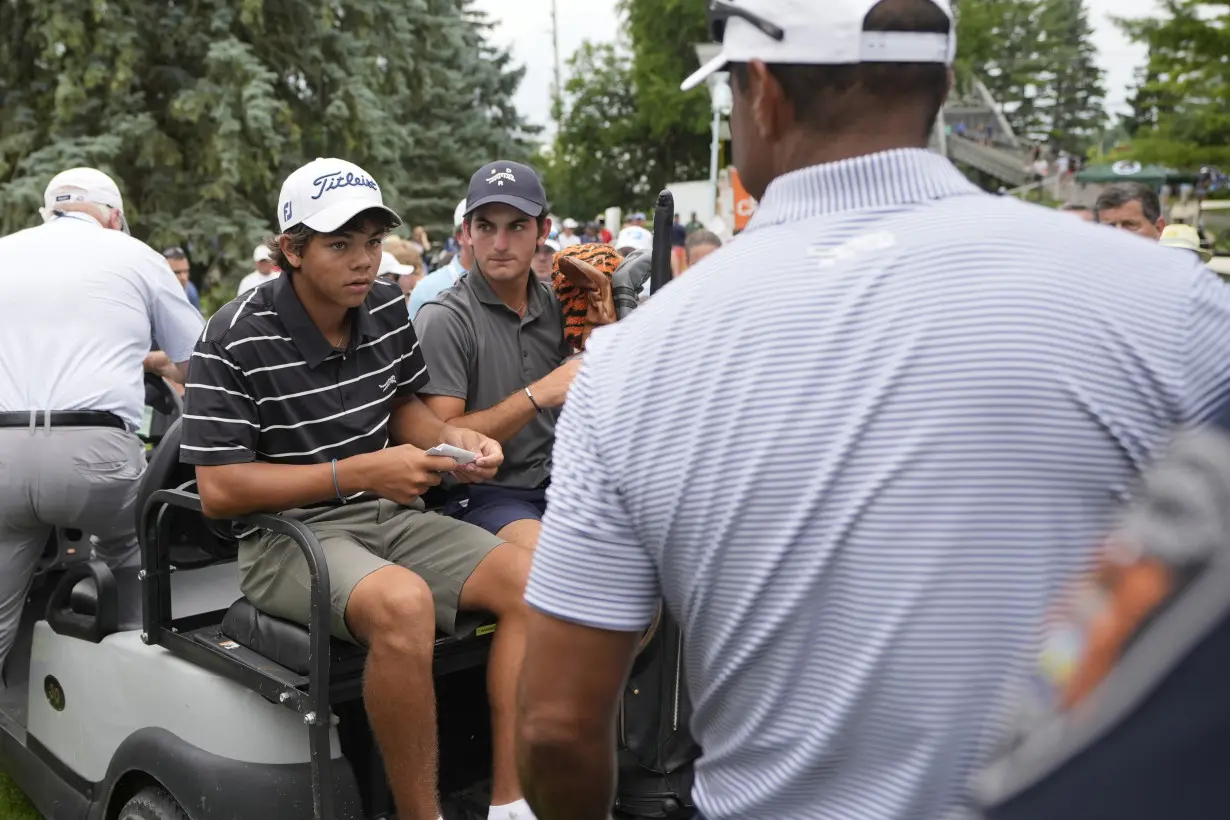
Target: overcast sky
column 526, row 24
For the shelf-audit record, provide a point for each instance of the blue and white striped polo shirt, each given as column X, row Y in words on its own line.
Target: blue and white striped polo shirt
column 858, row 483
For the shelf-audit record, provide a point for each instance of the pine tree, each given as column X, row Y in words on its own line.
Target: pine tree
column 1179, row 108
column 1071, row 90
column 201, row 109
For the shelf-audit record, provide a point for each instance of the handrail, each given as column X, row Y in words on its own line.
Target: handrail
column 156, row 589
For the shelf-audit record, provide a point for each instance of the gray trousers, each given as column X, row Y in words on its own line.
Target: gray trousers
column 82, row 478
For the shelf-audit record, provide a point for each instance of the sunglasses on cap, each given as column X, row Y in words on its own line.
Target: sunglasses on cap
column 720, row 12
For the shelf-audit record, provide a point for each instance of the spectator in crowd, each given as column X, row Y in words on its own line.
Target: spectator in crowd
column 859, row 488
column 604, row 233
column 1083, row 212
column 177, row 258
column 1131, row 207
column 265, row 270
column 568, row 236
column 1184, row 238
column 694, row 224
column 700, row 244
column 420, row 240
column 544, row 260
column 441, row 280
column 679, row 241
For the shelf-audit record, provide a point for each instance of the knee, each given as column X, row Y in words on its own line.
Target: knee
column 395, row 612
column 514, row 572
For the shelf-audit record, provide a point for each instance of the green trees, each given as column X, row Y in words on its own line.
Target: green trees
column 1179, row 113
column 200, row 109
column 1037, row 59
column 627, row 129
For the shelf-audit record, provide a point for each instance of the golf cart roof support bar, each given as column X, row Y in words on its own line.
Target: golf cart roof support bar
column 156, row 585
column 663, row 219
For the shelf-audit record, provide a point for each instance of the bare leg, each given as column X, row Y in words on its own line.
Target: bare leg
column 498, row 586
column 391, row 611
column 524, row 532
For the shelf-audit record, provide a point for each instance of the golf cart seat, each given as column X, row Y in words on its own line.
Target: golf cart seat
column 286, row 642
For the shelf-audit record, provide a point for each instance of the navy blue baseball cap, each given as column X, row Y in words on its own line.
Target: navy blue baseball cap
column 508, row 183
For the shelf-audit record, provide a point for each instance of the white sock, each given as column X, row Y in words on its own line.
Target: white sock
column 519, row 810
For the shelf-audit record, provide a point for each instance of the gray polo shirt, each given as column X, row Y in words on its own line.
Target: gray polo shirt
column 480, row 350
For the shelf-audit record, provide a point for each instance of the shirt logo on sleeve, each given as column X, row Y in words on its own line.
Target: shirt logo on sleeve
column 390, row 384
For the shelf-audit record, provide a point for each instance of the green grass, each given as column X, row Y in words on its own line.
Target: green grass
column 13, row 804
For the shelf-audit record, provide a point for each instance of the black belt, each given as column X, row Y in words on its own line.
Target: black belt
column 63, row 418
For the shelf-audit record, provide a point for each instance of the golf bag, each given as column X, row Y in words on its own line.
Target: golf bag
column 1139, row 721
column 656, row 749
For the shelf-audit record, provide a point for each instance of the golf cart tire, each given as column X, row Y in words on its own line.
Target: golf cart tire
column 152, row 803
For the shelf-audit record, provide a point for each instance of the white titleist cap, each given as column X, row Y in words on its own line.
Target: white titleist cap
column 326, row 193
column 634, row 237
column 261, row 254
column 815, row 32
column 78, row 185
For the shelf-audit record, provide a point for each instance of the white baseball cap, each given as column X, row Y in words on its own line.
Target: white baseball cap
column 551, row 245
column 388, row 264
column 459, row 215
column 325, row 194
column 815, row 32
column 634, row 237
column 261, row 254
column 82, row 185
column 570, row 223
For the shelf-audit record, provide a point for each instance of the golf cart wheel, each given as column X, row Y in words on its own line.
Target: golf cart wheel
column 152, row 803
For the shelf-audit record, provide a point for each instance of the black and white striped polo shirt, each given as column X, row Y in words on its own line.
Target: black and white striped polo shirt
column 265, row 385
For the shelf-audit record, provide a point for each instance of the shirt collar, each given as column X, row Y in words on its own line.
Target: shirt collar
column 303, row 331
column 77, row 216
column 535, row 297
column 454, row 267
column 884, row 180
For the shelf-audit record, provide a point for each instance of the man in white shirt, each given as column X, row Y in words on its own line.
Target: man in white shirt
column 71, row 385
column 265, row 271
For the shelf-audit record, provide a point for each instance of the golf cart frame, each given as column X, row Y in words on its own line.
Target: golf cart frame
column 303, row 670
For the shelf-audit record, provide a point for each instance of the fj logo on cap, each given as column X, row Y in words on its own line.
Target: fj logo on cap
column 498, row 177
column 287, row 210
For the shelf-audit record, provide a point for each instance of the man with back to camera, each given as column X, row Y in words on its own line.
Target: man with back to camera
column 436, row 282
column 494, row 345
column 70, row 405
column 265, row 270
column 1131, row 207
column 856, row 490
column 302, row 402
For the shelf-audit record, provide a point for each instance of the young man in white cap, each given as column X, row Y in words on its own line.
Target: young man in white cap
column 495, row 348
column 302, row 402
column 265, row 270
column 437, row 282
column 79, row 301
column 858, row 489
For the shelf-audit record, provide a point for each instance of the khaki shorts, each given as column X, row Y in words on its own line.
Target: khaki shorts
column 359, row 539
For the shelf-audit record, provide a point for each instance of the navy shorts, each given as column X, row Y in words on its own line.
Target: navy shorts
column 494, row 508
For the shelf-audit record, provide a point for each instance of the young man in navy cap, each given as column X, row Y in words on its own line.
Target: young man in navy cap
column 302, row 402
column 495, row 349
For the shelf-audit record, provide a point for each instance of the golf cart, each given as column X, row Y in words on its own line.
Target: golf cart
column 160, row 693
